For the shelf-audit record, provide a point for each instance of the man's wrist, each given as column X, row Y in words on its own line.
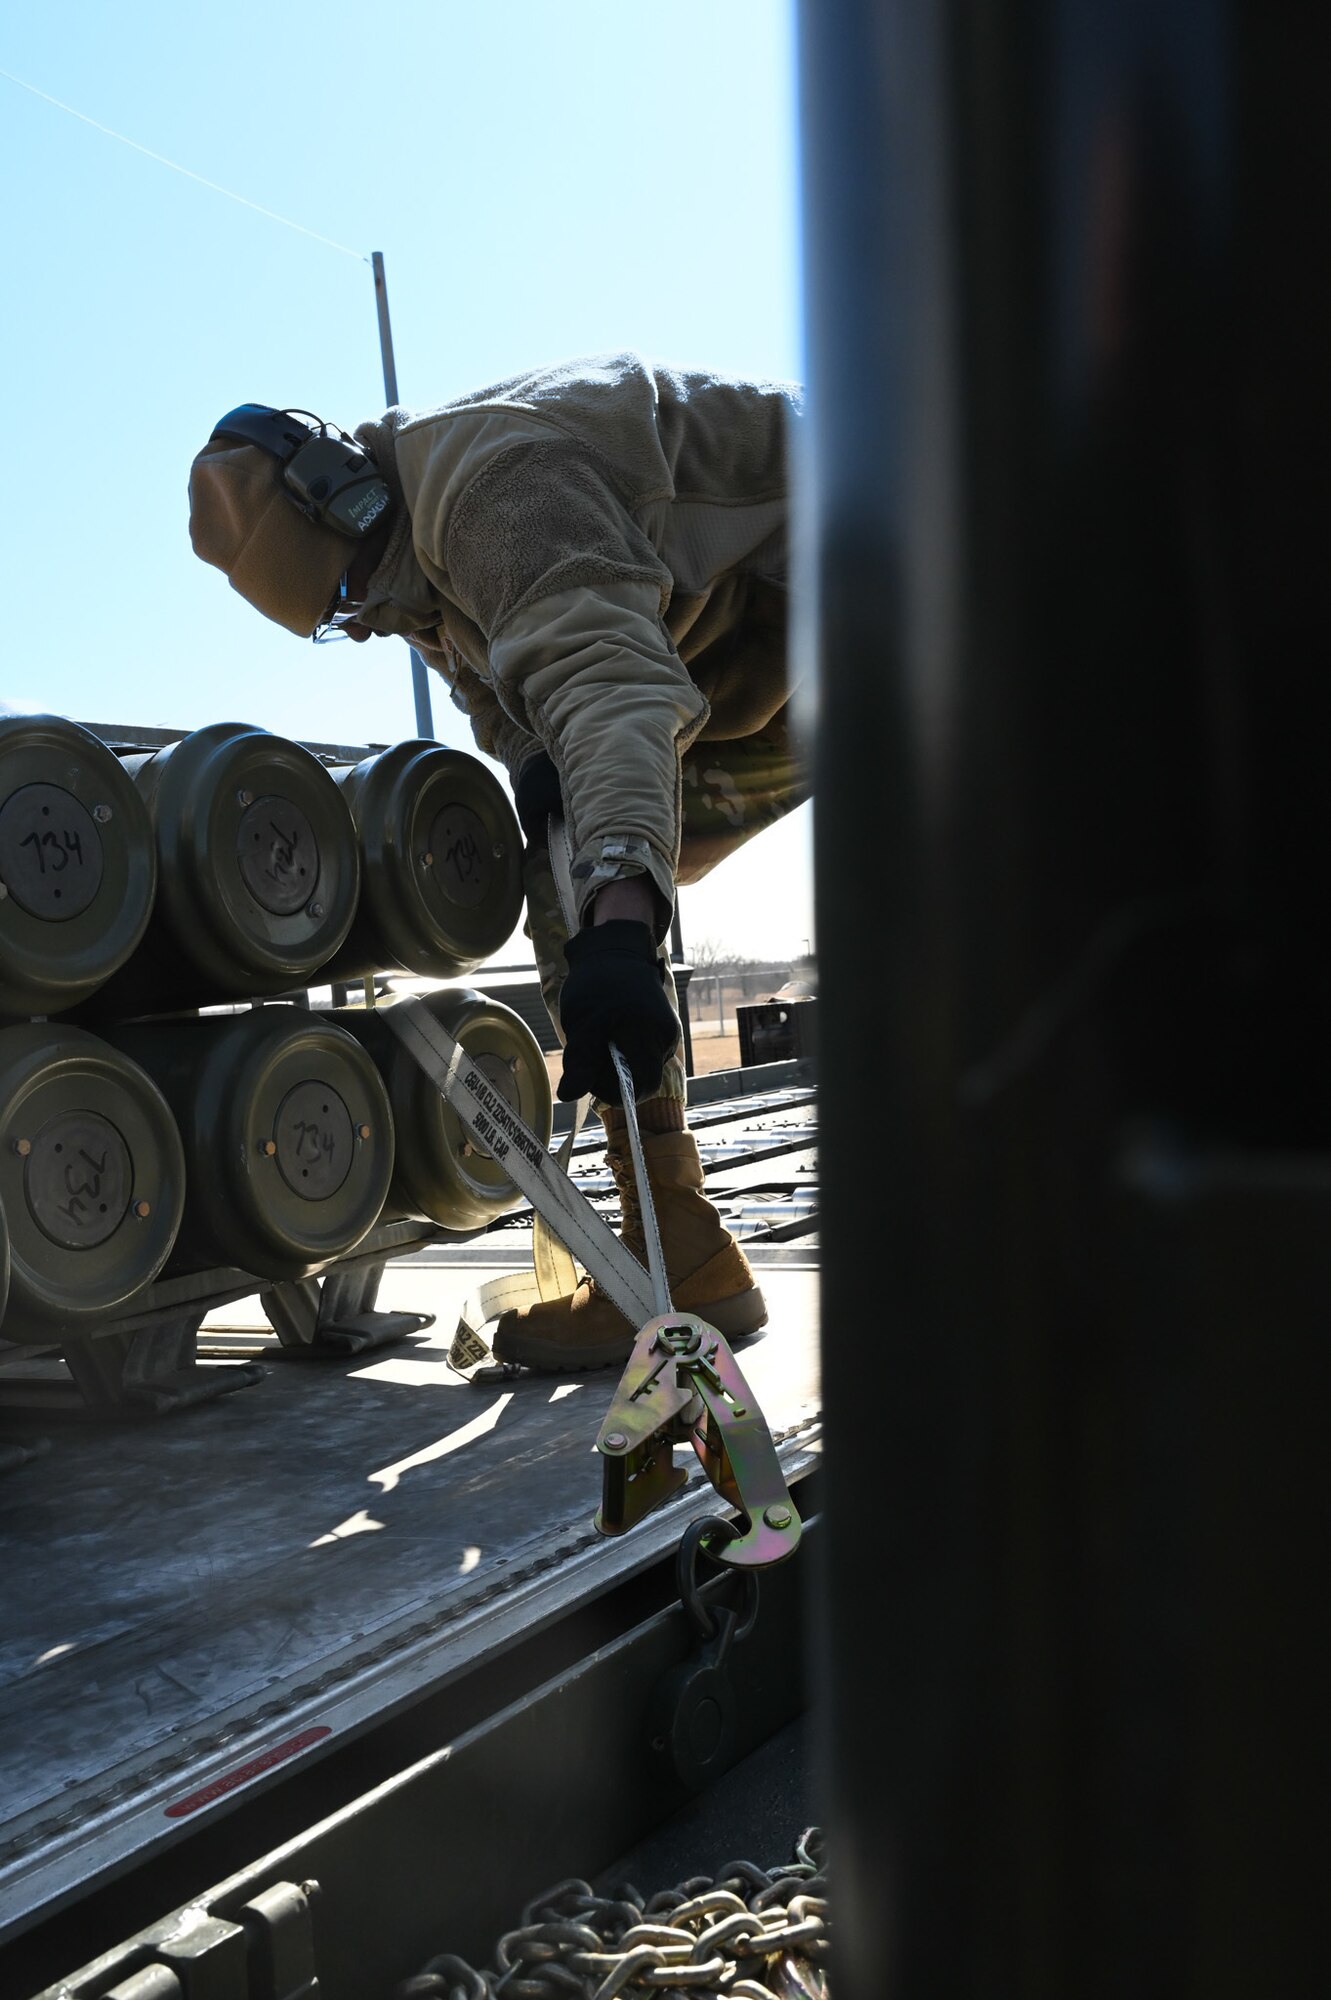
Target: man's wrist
column 631, row 897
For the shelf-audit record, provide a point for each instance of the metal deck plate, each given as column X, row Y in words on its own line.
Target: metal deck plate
column 188, row 1605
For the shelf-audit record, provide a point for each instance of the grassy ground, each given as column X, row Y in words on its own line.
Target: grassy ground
column 711, row 1050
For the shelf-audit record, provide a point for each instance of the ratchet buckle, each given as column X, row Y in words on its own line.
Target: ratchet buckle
column 682, row 1385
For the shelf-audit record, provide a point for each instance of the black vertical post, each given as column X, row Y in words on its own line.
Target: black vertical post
column 677, row 957
column 1072, row 827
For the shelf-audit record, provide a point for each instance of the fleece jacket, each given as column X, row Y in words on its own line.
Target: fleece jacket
column 594, row 558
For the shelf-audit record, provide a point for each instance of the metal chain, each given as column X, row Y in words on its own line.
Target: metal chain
column 748, row 1934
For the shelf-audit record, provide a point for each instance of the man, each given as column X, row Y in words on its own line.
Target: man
column 594, row 558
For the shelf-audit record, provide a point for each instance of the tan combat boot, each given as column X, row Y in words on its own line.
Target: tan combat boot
column 708, row 1272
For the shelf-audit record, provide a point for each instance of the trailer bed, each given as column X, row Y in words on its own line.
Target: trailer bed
column 198, row 1606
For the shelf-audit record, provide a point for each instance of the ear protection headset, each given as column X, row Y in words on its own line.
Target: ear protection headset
column 325, row 473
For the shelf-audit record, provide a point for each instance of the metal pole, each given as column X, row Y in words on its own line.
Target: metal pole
column 1063, row 333
column 420, row 678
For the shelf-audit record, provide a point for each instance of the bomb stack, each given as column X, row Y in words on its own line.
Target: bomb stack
column 151, row 1122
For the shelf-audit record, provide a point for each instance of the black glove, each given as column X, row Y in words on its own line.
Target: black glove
column 536, row 795
column 615, row 992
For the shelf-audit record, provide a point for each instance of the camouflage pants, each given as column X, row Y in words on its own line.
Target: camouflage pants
column 730, row 792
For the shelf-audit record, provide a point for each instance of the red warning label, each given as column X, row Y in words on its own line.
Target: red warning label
column 254, row 1768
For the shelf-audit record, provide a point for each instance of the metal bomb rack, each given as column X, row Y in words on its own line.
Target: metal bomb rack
column 178, row 1128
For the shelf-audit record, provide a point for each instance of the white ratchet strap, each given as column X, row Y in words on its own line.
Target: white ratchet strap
column 493, row 1124
column 655, row 1260
column 561, row 867
column 554, row 1273
column 558, row 1227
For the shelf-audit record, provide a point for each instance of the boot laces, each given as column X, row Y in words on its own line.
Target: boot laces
column 626, row 1181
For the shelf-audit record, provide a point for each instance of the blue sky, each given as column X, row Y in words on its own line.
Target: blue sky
column 543, row 180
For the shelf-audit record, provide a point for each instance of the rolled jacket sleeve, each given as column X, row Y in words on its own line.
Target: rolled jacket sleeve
column 554, row 569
